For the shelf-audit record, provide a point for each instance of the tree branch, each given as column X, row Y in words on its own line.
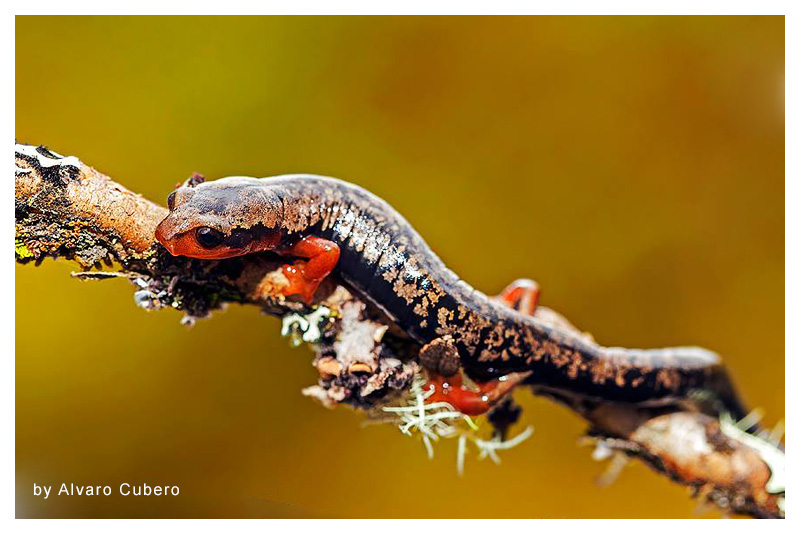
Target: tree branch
column 67, row 209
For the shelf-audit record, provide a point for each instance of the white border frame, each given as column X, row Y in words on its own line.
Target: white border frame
column 345, row 7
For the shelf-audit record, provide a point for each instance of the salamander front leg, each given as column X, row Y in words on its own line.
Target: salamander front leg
column 440, row 358
column 305, row 276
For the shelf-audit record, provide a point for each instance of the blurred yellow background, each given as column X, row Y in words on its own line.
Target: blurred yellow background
column 634, row 166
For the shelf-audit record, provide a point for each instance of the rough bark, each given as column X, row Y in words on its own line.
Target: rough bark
column 67, row 209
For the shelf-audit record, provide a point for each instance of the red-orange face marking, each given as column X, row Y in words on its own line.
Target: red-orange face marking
column 205, row 242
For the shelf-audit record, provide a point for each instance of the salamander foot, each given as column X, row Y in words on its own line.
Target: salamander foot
column 469, row 401
column 446, row 379
column 305, row 276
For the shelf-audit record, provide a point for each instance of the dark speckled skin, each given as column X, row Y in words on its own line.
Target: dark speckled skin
column 386, row 260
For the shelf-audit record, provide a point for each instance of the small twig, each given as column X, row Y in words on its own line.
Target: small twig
column 99, row 275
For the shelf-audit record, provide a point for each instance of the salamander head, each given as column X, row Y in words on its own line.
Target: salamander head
column 221, row 219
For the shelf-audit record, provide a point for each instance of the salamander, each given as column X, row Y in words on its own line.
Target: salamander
column 328, row 225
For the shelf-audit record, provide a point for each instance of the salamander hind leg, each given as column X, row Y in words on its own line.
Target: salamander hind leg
column 476, row 400
column 305, row 275
column 522, row 295
column 446, row 380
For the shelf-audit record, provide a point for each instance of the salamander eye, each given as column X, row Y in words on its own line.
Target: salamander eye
column 208, row 237
column 171, row 201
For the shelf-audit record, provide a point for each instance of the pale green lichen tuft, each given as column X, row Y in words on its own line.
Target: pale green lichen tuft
column 437, row 420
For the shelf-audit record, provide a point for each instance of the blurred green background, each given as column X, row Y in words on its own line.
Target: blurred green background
column 634, row 166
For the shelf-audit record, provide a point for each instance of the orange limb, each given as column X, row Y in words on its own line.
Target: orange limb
column 521, row 295
column 305, row 275
column 472, row 401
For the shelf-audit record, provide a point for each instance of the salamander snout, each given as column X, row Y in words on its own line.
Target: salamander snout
column 165, row 232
